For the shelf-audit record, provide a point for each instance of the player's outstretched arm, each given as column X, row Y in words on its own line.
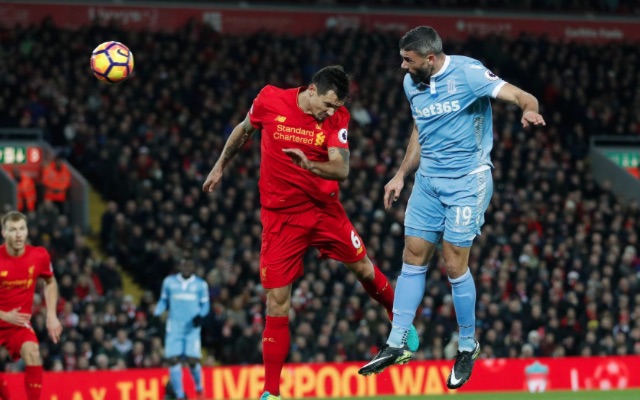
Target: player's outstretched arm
column 239, row 136
column 410, row 163
column 336, row 169
column 526, row 101
column 51, row 297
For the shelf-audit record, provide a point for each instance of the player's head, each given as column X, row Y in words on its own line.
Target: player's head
column 328, row 91
column 419, row 49
column 187, row 265
column 14, row 230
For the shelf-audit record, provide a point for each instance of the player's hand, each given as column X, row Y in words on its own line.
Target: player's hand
column 15, row 317
column 54, row 328
column 392, row 190
column 532, row 118
column 197, row 321
column 298, row 158
column 213, row 179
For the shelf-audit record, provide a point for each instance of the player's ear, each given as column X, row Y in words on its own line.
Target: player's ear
column 312, row 89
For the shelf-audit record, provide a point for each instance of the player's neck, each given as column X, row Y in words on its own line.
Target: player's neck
column 439, row 63
column 15, row 252
column 303, row 101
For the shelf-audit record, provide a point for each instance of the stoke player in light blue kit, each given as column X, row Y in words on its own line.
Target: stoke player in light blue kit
column 186, row 296
column 450, row 148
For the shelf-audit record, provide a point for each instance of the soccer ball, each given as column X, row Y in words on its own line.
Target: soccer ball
column 112, row 62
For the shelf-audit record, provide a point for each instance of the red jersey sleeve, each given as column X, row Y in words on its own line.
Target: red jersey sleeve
column 338, row 130
column 259, row 107
column 44, row 263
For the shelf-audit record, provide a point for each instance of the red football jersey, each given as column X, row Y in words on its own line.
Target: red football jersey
column 284, row 185
column 18, row 277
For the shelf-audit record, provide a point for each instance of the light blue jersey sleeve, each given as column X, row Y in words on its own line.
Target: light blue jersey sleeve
column 205, row 304
column 164, row 299
column 482, row 81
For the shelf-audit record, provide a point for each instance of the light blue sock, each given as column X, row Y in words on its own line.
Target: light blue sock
column 464, row 301
column 408, row 296
column 196, row 372
column 175, row 376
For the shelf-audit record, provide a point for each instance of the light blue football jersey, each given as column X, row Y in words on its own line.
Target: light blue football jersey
column 453, row 117
column 185, row 299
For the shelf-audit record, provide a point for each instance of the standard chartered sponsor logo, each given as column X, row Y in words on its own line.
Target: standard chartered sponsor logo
column 298, row 131
column 438, row 108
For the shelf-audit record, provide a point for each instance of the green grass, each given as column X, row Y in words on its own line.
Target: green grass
column 581, row 395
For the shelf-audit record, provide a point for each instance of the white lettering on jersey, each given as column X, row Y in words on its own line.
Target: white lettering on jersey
column 184, row 296
column 439, row 108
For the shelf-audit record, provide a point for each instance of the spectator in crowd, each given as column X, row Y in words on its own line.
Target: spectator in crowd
column 27, row 194
column 56, row 180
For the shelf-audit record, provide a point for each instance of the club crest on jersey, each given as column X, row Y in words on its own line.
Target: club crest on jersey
column 342, row 135
column 451, row 86
column 490, row 75
column 320, row 139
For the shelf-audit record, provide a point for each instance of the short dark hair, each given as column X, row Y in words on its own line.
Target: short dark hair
column 332, row 78
column 423, row 40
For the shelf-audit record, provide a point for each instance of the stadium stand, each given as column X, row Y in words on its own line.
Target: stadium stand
column 556, row 266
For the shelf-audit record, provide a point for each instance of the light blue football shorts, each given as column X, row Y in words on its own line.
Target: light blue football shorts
column 183, row 344
column 454, row 207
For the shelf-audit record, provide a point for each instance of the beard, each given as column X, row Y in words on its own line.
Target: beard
column 420, row 76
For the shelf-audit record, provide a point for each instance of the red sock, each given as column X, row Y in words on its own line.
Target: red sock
column 276, row 341
column 33, row 381
column 380, row 290
column 4, row 389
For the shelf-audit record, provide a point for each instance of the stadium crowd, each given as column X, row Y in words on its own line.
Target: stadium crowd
column 556, row 266
column 611, row 7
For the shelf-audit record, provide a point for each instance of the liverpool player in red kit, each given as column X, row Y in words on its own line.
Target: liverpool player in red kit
column 20, row 267
column 305, row 153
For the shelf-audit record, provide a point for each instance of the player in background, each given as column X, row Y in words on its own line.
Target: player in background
column 20, row 267
column 305, row 153
column 450, row 148
column 186, row 296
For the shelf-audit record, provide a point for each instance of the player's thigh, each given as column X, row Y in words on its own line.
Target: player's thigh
column 335, row 236
column 193, row 345
column 16, row 339
column 174, row 345
column 285, row 239
column 425, row 214
column 466, row 199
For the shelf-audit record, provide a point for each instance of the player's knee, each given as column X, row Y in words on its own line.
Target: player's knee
column 30, row 353
column 278, row 305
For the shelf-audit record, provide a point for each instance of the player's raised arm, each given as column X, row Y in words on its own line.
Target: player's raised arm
column 239, row 136
column 410, row 163
column 51, row 297
column 526, row 101
column 336, row 169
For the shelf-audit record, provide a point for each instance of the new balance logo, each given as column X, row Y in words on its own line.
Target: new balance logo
column 280, row 118
column 268, row 339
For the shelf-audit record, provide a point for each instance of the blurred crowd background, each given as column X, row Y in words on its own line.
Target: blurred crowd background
column 556, row 266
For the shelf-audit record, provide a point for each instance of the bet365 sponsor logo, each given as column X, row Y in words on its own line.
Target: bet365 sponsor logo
column 438, row 108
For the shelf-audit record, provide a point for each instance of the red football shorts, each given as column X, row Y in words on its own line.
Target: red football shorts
column 287, row 237
column 13, row 339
